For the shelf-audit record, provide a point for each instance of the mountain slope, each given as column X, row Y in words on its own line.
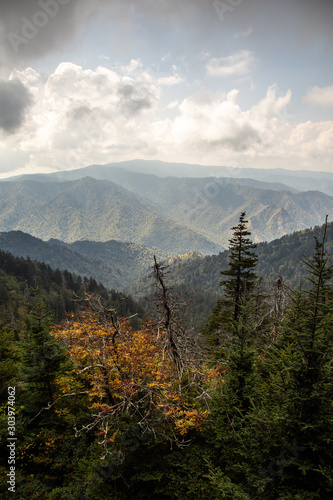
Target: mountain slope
column 207, row 206
column 211, row 206
column 95, row 210
column 116, row 264
column 280, row 257
column 176, row 215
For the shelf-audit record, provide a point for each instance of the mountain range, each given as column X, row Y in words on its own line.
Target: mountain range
column 300, row 180
column 126, row 267
column 174, row 215
column 95, row 210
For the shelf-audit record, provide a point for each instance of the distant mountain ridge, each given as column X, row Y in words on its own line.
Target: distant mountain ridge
column 300, row 180
column 176, row 215
column 94, row 210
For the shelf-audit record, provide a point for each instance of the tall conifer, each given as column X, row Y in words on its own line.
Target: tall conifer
column 240, row 277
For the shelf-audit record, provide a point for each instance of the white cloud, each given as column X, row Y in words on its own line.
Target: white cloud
column 173, row 105
column 170, row 80
column 210, row 124
column 80, row 117
column 311, row 139
column 320, row 96
column 238, row 64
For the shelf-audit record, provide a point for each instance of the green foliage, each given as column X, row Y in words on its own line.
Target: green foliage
column 303, row 360
column 231, row 315
column 90, row 209
column 240, row 278
column 268, row 434
column 9, row 358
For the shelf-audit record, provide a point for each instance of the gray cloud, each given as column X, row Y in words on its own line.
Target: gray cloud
column 14, row 101
column 135, row 97
column 81, row 112
column 32, row 29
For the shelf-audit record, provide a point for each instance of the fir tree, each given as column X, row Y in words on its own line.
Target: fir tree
column 231, row 314
column 301, row 364
column 240, row 279
column 42, row 355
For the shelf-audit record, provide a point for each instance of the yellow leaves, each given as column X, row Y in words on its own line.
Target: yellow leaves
column 64, row 383
column 136, row 355
column 96, row 392
column 129, row 370
column 185, row 420
column 113, row 437
column 103, row 408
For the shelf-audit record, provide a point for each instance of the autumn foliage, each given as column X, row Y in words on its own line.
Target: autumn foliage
column 126, row 371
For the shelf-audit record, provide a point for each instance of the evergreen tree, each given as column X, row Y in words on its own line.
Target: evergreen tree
column 301, row 386
column 42, row 355
column 231, row 314
column 240, row 279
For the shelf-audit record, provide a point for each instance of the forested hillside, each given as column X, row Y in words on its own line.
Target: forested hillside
column 116, row 264
column 198, row 278
column 281, row 257
column 89, row 209
column 175, row 215
column 127, row 267
column 61, row 292
column 158, row 409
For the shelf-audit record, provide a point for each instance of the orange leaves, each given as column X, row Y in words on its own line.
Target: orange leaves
column 135, row 358
column 125, row 372
column 186, row 419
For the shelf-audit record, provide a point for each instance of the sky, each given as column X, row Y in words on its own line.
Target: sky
column 245, row 83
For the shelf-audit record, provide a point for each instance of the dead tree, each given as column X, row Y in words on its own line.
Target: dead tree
column 279, row 305
column 167, row 306
column 182, row 343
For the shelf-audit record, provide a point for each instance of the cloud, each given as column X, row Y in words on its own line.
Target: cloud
column 320, row 96
column 80, row 117
column 32, row 29
column 238, row 64
column 213, row 129
column 311, row 140
column 210, row 123
column 134, row 97
column 15, row 98
column 170, row 80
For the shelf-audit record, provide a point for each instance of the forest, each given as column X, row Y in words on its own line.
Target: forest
column 101, row 399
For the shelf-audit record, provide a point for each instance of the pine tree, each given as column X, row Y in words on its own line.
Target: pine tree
column 42, row 355
column 240, row 279
column 232, row 313
column 301, row 364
